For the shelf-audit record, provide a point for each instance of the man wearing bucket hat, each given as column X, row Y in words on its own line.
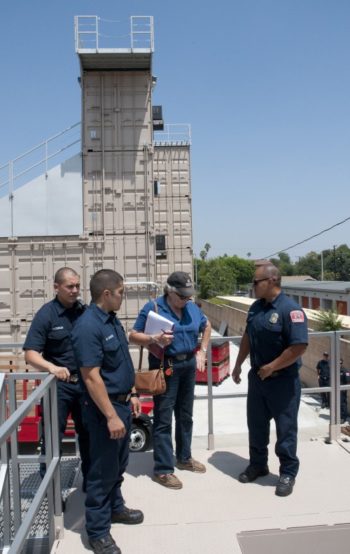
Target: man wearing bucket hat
column 180, row 364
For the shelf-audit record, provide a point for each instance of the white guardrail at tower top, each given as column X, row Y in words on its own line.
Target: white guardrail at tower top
column 95, row 33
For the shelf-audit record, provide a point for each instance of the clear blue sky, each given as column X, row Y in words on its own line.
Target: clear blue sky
column 265, row 85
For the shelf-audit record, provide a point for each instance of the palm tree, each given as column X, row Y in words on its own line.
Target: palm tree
column 327, row 320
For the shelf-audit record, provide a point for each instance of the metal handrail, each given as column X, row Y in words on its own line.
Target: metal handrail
column 88, row 34
column 335, row 388
column 174, row 133
column 51, row 484
column 44, row 144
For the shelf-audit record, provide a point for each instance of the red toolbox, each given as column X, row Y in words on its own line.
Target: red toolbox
column 220, row 352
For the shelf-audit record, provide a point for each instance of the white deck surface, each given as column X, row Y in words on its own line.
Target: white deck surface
column 205, row 516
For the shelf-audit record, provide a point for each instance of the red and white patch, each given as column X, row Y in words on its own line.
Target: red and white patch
column 297, row 316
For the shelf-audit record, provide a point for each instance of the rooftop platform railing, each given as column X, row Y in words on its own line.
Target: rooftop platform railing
column 16, row 524
column 95, row 33
column 334, row 389
column 13, row 413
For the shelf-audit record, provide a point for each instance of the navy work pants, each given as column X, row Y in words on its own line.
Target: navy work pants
column 177, row 399
column 69, row 401
column 278, row 398
column 109, row 458
column 325, row 396
column 343, row 405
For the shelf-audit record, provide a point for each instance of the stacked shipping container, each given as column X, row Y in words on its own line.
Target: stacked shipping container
column 123, row 214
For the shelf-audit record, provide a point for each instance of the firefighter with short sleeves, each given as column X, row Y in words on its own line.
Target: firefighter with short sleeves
column 276, row 336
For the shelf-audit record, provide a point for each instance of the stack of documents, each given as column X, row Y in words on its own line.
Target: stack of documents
column 156, row 324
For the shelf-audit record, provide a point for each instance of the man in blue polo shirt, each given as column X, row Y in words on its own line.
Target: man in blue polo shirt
column 108, row 377
column 48, row 348
column 275, row 337
column 180, row 363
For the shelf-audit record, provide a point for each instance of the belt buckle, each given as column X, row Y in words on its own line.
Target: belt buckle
column 73, row 379
column 127, row 397
column 181, row 357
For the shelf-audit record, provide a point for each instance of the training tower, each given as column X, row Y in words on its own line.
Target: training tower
column 126, row 192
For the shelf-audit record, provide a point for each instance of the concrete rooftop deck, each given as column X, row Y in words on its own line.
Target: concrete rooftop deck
column 213, row 512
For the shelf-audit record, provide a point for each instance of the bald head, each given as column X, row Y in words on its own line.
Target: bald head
column 273, row 272
column 267, row 281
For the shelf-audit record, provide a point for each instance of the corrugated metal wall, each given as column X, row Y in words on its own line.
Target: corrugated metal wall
column 118, row 166
column 173, row 208
column 28, row 266
column 121, row 214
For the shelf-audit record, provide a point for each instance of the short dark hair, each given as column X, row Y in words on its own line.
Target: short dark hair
column 104, row 279
column 61, row 274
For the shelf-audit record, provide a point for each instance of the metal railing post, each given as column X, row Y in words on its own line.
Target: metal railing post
column 16, row 485
column 58, row 517
column 132, row 32
column 11, row 196
column 4, row 469
column 334, row 395
column 97, row 31
column 210, row 397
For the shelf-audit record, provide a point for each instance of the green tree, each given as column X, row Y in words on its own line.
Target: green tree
column 284, row 264
column 309, row 265
column 336, row 263
column 204, row 253
column 223, row 275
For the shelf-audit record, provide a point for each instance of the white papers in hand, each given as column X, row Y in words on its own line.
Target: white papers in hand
column 156, row 324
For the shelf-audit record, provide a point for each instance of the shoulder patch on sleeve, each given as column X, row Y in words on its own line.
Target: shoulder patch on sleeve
column 297, row 316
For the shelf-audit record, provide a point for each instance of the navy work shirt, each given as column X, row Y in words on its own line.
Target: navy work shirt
column 50, row 333
column 186, row 329
column 323, row 368
column 272, row 327
column 99, row 340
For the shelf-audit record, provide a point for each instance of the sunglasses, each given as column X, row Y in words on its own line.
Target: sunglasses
column 257, row 281
column 182, row 297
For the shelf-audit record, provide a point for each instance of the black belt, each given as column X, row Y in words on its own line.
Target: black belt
column 123, row 398
column 180, row 357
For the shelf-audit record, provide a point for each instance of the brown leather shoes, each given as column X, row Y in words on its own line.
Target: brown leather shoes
column 168, row 480
column 192, row 465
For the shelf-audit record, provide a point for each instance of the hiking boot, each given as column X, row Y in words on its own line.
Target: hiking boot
column 191, row 465
column 251, row 473
column 104, row 545
column 285, row 485
column 168, row 480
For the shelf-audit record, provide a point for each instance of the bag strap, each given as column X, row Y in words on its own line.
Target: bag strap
column 140, row 359
column 162, row 359
column 141, row 347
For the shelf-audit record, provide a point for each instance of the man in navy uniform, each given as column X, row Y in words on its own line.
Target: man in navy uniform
column 48, row 348
column 108, row 377
column 323, row 372
column 344, row 380
column 275, row 337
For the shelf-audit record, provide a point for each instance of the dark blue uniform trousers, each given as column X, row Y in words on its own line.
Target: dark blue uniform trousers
column 69, row 401
column 108, row 461
column 278, row 398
